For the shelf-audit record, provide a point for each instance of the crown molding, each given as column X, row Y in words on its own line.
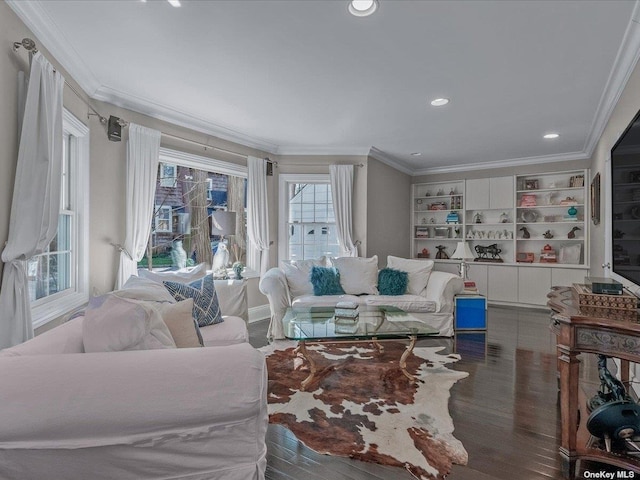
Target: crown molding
column 391, row 161
column 623, row 67
column 516, row 162
column 310, row 150
column 180, row 118
column 35, row 17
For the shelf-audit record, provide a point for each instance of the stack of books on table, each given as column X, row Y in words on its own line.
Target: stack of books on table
column 346, row 317
column 470, row 287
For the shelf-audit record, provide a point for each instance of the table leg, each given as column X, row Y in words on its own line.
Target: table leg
column 302, row 349
column 403, row 359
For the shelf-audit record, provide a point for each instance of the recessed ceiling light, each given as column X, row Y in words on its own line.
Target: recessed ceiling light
column 362, row 8
column 439, row 102
column 550, row 136
column 416, row 154
column 174, row 3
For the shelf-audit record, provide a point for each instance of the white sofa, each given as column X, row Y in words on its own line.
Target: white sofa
column 434, row 304
column 175, row 413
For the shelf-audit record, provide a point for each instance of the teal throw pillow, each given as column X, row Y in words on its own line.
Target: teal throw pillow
column 206, row 309
column 392, row 282
column 325, row 281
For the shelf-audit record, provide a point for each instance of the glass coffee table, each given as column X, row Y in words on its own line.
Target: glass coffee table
column 375, row 324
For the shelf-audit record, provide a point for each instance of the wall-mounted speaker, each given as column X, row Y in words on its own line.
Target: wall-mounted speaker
column 114, row 129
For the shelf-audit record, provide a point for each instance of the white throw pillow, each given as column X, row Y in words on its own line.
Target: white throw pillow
column 137, row 288
column 358, row 275
column 298, row 274
column 418, row 270
column 113, row 324
column 181, row 324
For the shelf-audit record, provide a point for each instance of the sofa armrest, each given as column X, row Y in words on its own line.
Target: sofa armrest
column 135, row 397
column 274, row 285
column 441, row 288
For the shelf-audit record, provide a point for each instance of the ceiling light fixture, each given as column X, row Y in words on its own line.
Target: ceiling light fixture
column 174, row 3
column 439, row 102
column 362, row 8
column 416, row 154
column 550, row 136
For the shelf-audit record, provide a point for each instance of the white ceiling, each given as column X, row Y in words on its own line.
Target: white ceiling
column 305, row 77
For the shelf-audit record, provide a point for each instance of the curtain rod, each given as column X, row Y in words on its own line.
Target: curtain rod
column 314, row 164
column 204, row 145
column 30, row 46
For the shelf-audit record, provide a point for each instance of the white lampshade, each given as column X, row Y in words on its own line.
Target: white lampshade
column 462, row 251
column 223, row 223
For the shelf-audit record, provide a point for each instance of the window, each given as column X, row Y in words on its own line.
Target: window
column 307, row 206
column 183, row 208
column 167, row 176
column 163, row 220
column 58, row 278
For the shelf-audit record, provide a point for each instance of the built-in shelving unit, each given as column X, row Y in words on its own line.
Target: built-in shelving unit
column 552, row 208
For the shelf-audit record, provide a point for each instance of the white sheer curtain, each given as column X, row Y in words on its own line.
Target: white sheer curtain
column 257, row 211
column 341, row 177
column 35, row 206
column 143, row 156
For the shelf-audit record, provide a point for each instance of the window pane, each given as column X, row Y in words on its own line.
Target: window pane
column 64, row 234
column 321, row 212
column 65, row 198
column 295, row 234
column 295, row 213
column 308, row 212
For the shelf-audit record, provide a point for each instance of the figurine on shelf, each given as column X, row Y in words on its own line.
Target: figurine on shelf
column 525, row 232
column 504, row 218
column 547, row 234
column 440, row 192
column 452, row 192
column 441, row 252
column 477, row 218
column 424, row 221
column 428, row 194
column 572, row 233
column 424, row 253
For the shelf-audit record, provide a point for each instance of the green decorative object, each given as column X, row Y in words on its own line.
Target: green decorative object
column 573, row 211
column 237, row 269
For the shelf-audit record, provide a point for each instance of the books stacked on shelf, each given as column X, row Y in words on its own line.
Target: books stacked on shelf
column 470, row 287
column 346, row 317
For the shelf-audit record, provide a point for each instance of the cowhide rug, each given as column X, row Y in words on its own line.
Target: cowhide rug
column 360, row 405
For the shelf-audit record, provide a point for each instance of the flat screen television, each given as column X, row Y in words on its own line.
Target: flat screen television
column 625, row 204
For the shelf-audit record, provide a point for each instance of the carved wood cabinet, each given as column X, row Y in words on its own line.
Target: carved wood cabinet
column 578, row 333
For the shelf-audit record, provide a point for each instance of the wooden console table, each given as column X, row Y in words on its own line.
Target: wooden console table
column 603, row 334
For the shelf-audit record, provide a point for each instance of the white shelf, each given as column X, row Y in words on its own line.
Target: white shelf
column 555, row 189
column 550, row 206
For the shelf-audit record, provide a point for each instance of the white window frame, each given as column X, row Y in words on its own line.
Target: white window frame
column 211, row 165
column 161, row 214
column 59, row 304
column 283, row 205
column 169, row 180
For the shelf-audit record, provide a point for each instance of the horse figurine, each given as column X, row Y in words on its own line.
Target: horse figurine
column 485, row 251
column 441, row 253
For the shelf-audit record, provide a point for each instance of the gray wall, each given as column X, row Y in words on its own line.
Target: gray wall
column 388, row 212
column 626, row 108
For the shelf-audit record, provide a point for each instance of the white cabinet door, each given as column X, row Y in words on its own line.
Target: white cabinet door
column 478, row 273
column 501, row 192
column 533, row 285
column 502, row 283
column 477, row 194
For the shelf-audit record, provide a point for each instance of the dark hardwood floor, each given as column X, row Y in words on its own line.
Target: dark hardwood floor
column 505, row 413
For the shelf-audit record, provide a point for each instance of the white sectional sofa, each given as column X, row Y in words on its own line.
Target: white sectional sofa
column 172, row 413
column 429, row 296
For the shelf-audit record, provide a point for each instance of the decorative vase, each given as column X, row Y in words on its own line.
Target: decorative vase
column 573, row 211
column 237, row 269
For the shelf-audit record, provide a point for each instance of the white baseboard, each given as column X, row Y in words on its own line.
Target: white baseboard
column 259, row 313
